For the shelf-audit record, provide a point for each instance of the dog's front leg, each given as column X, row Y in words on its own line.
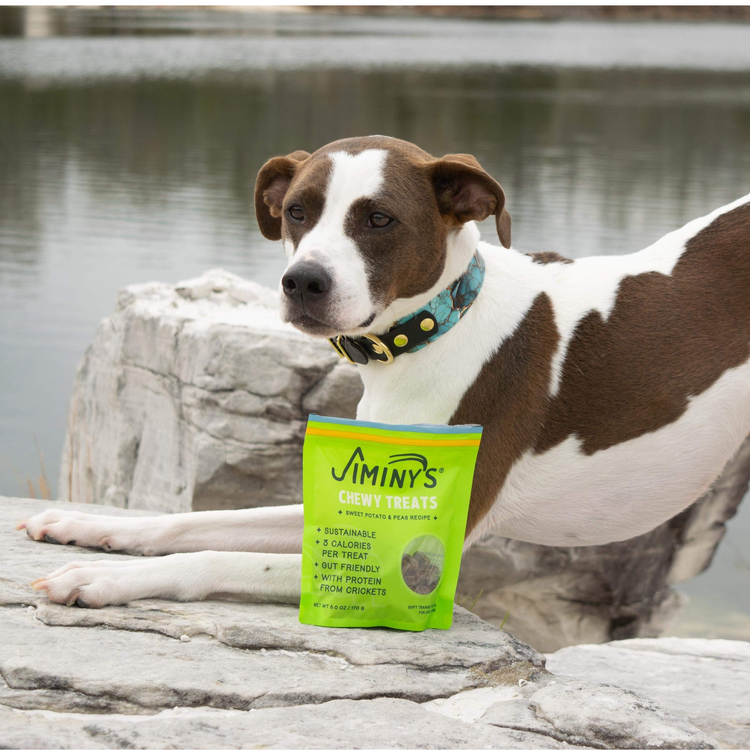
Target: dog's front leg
column 248, row 576
column 272, row 529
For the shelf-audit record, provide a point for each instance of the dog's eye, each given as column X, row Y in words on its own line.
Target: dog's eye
column 297, row 213
column 379, row 220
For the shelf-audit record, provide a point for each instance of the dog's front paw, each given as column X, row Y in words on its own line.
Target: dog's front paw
column 110, row 533
column 94, row 583
column 67, row 527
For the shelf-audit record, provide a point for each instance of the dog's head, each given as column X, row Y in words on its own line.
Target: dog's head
column 365, row 222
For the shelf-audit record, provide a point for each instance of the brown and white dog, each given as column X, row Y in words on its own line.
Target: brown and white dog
column 612, row 390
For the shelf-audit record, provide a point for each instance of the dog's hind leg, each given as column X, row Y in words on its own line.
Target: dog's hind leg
column 271, row 529
column 246, row 576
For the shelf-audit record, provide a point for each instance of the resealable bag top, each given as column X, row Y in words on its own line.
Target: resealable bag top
column 385, row 516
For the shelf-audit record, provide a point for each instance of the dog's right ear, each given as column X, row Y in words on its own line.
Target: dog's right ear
column 273, row 181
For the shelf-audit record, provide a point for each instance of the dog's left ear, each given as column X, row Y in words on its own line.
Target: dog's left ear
column 465, row 192
column 273, row 181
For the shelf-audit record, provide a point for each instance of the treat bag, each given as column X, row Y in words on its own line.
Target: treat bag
column 385, row 516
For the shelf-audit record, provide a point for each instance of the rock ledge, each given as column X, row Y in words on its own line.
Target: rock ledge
column 227, row 674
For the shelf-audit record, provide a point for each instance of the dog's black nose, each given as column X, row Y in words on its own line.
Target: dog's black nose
column 306, row 279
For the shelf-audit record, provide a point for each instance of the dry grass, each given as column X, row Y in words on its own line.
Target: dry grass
column 42, row 487
column 466, row 601
column 505, row 619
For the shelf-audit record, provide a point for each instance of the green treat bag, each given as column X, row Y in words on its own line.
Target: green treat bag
column 385, row 517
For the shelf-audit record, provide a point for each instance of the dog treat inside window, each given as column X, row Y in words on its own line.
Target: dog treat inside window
column 422, row 564
column 385, row 516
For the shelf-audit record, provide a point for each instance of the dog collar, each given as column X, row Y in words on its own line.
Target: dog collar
column 418, row 329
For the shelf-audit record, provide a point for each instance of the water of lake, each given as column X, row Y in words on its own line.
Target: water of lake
column 132, row 158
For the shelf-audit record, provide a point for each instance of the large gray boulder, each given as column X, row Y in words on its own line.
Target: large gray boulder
column 221, row 674
column 195, row 397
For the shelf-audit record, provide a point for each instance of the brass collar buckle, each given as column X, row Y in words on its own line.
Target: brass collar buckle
column 379, row 347
column 355, row 353
column 337, row 348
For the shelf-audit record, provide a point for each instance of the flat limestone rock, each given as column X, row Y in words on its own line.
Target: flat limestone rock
column 470, row 643
column 140, row 672
column 575, row 712
column 228, row 674
column 706, row 681
column 379, row 723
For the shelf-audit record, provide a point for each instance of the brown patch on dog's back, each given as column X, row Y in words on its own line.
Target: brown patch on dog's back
column 548, row 257
column 667, row 339
column 509, row 399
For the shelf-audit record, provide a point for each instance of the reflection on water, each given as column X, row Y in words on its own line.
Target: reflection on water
column 107, row 180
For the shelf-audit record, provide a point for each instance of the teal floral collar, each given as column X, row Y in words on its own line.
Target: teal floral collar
column 450, row 305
